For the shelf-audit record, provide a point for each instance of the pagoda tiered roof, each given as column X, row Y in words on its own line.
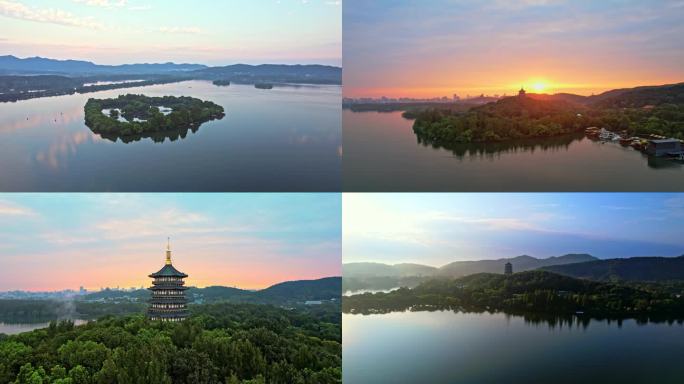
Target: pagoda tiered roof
column 168, row 271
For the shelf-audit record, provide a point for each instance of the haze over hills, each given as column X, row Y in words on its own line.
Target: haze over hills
column 241, row 73
column 458, row 268
column 629, row 269
column 276, row 73
column 40, row 65
column 288, row 291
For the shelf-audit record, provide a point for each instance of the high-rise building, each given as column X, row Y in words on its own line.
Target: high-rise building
column 168, row 301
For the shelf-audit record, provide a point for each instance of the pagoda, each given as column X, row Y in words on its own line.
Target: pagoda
column 521, row 92
column 168, row 301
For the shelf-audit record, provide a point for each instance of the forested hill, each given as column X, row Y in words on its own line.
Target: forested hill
column 278, row 294
column 219, row 343
column 321, row 289
column 639, row 96
column 539, row 292
column 636, row 97
column 628, row 269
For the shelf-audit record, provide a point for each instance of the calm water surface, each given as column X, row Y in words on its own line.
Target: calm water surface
column 13, row 329
column 448, row 347
column 283, row 139
column 381, row 153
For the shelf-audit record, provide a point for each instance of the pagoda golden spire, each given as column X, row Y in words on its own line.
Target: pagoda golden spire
column 168, row 251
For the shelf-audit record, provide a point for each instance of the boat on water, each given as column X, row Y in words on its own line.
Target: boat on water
column 627, row 141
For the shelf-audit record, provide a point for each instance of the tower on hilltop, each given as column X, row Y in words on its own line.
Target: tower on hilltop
column 168, row 301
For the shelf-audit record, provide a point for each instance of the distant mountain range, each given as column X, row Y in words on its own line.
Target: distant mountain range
column 239, row 73
column 378, row 276
column 286, row 292
column 41, row 65
column 628, row 269
column 274, row 73
column 458, row 268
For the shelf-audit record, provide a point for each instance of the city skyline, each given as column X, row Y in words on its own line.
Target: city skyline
column 436, row 229
column 146, row 31
column 547, row 46
column 52, row 242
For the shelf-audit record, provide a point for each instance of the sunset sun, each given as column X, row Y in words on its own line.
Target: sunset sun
column 539, row 86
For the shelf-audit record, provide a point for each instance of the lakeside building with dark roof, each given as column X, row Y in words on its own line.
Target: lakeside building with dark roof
column 664, row 147
column 168, row 301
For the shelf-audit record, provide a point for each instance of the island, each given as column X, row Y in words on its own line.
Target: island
column 221, row 83
column 530, row 292
column 263, row 86
column 131, row 115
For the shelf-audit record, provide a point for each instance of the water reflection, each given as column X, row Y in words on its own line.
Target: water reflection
column 64, row 146
column 496, row 149
column 157, row 137
column 484, row 348
column 382, row 153
column 287, row 139
column 552, row 321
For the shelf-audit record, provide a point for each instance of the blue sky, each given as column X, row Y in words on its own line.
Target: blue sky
column 57, row 241
column 200, row 31
column 441, row 47
column 436, row 229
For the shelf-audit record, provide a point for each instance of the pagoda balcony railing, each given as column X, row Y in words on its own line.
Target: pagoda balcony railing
column 167, row 280
column 173, row 309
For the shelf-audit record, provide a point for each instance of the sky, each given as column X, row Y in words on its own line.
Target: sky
column 58, row 241
column 436, row 229
column 193, row 31
column 468, row 47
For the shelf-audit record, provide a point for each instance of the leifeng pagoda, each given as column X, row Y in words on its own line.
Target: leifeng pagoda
column 168, row 301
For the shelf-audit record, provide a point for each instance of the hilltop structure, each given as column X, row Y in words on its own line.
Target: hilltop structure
column 168, row 301
column 508, row 269
column 521, row 92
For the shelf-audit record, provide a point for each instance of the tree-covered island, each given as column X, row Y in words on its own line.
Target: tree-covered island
column 221, row 83
column 130, row 115
column 530, row 292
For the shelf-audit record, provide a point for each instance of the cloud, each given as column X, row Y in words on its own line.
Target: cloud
column 18, row 10
column 140, row 8
column 11, row 209
column 103, row 3
column 183, row 30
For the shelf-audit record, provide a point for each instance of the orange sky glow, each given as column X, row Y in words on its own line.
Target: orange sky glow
column 251, row 241
column 442, row 48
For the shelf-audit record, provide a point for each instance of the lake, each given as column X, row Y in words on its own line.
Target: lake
column 282, row 139
column 448, row 347
column 13, row 328
column 381, row 153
